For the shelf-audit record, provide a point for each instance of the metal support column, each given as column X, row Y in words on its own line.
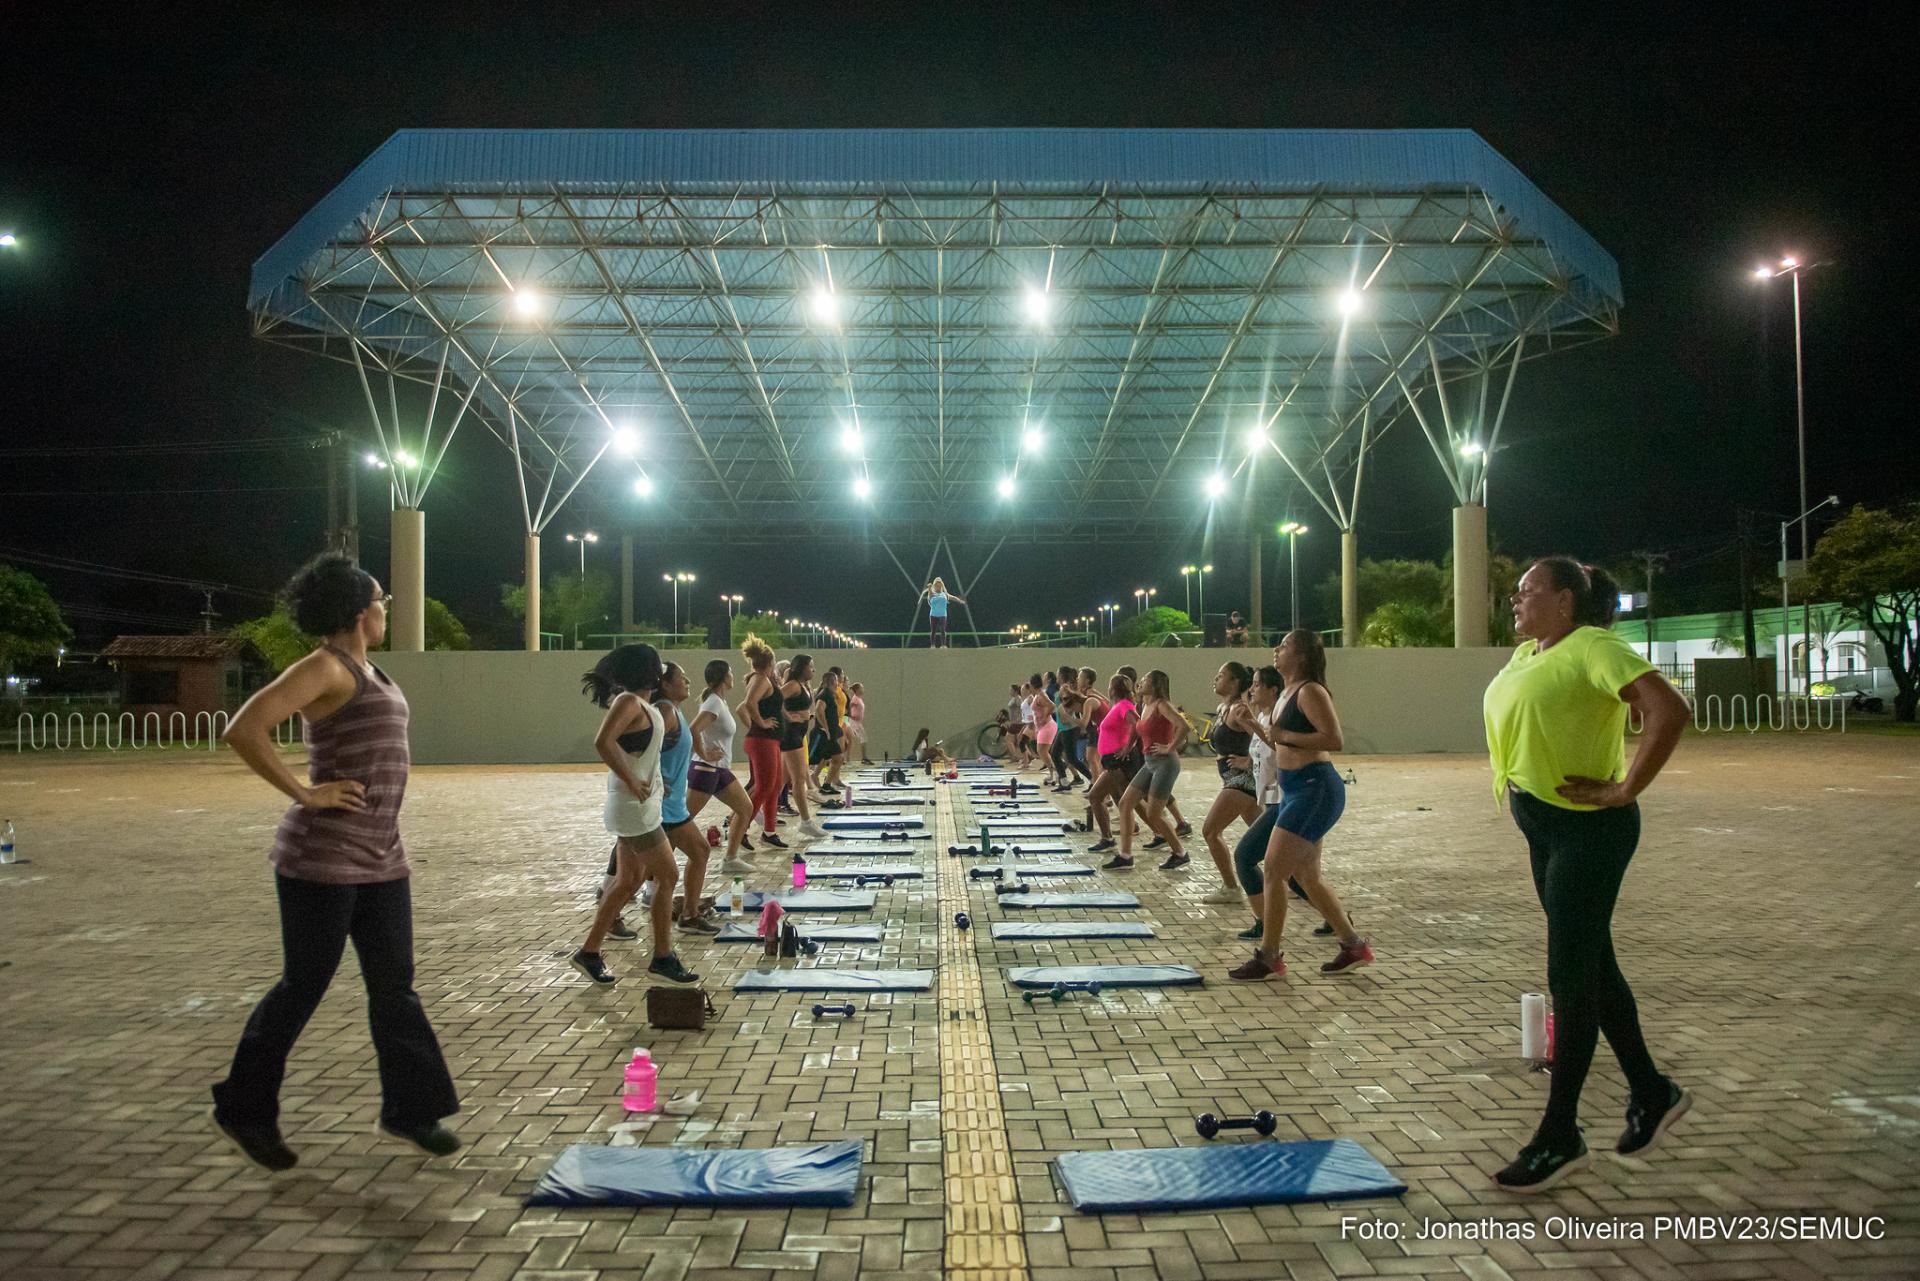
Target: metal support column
column 407, row 580
column 626, row 583
column 532, row 631
column 1256, row 624
column 1470, row 590
column 1349, row 588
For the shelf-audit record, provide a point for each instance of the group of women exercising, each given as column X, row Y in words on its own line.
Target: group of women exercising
column 1555, row 721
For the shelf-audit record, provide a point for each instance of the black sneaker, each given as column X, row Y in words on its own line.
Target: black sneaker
column 829, row 790
column 1254, row 931
column 260, row 1144
column 1646, row 1125
column 1102, row 845
column 1156, row 843
column 1541, row 1165
column 1117, row 864
column 434, row 1139
column 669, row 968
column 746, row 845
column 1176, row 860
column 590, row 964
column 621, row 931
column 1323, row 931
column 1184, row 829
column 770, row 839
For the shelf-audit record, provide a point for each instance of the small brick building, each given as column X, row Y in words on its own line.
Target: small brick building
column 190, row 674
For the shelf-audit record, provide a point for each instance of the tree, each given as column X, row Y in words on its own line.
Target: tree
column 277, row 637
column 30, row 622
column 1410, row 625
column 1152, row 627
column 1420, row 585
column 1868, row 562
column 444, row 631
column 570, row 604
column 768, row 627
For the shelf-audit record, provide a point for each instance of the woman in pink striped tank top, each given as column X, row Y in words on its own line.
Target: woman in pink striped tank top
column 340, row 870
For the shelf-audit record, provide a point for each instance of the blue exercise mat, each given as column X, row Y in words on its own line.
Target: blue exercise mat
column 873, row 811
column 1105, row 975
column 809, row 1174
column 1226, row 1174
column 1033, row 869
column 749, row 932
column 861, row 849
column 808, row 900
column 1043, row 902
column 843, row 872
column 1018, row 930
column 834, row 981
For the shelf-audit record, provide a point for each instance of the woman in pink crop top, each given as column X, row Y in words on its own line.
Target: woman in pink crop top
column 1162, row 732
column 1111, row 739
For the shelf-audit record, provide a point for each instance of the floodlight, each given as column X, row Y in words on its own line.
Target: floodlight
column 1789, row 263
column 8, row 240
column 862, row 487
column 825, row 307
column 1469, row 449
column 1763, row 273
column 1350, row 302
column 1256, row 439
column 643, row 486
column 1038, row 305
column 850, row 440
column 527, row 301
column 374, row 460
column 626, row 441
column 405, row 459
column 1031, row 440
column 1006, row 487
column 1216, row 485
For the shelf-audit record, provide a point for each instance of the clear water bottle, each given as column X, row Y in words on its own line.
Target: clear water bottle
column 6, row 843
column 642, row 1078
column 739, row 895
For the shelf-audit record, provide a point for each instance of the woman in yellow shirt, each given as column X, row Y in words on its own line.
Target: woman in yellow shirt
column 1556, row 723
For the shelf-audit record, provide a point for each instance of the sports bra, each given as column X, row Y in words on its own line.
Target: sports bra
column 1151, row 737
column 798, row 702
column 635, row 741
column 1226, row 740
column 1292, row 719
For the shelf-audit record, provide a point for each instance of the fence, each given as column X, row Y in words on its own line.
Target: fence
column 1768, row 712
column 53, row 731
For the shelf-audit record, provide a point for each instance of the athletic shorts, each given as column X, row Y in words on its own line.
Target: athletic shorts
column 794, row 736
column 1156, row 776
column 1044, row 735
column 1235, row 779
column 645, row 838
column 709, row 779
column 671, row 828
column 821, row 749
column 1311, row 800
column 1127, row 763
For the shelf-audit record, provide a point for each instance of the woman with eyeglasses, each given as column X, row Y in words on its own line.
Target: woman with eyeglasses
column 340, row 872
column 1556, row 719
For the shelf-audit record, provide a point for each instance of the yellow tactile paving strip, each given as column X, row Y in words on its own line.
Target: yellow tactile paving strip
column 983, row 1238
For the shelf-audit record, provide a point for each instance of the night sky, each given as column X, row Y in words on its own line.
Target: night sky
column 149, row 162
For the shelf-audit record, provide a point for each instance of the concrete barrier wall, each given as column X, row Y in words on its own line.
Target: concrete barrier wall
column 513, row 707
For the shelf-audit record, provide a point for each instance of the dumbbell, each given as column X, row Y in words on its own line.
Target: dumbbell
column 976, row 873
column 961, row 921
column 821, row 1011
column 1058, row 992
column 955, row 851
column 875, row 878
column 1011, row 887
column 1206, row 1125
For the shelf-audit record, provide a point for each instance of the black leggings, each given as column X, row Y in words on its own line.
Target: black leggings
column 315, row 923
column 1250, row 855
column 1579, row 859
column 1065, row 757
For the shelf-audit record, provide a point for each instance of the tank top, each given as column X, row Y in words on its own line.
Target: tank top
column 1113, row 727
column 769, row 709
column 675, row 755
column 626, row 814
column 720, row 731
column 857, row 708
column 1224, row 739
column 365, row 740
column 1154, row 729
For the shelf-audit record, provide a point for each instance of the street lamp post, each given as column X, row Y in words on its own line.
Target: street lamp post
column 1806, row 611
column 583, row 538
column 676, row 578
column 1292, row 530
column 1186, row 582
column 1790, row 266
column 1204, row 571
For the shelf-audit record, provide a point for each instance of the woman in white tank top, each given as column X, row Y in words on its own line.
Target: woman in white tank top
column 711, row 773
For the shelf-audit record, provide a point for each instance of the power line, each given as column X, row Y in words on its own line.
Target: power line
column 77, row 566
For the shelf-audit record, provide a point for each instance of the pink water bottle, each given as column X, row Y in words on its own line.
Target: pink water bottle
column 641, row 1078
column 1549, row 1057
column 799, row 871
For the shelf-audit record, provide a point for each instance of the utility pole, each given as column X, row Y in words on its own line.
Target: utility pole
column 207, row 615
column 1744, row 523
column 1655, row 562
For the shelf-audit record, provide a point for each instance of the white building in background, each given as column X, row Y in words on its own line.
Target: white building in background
column 1834, row 652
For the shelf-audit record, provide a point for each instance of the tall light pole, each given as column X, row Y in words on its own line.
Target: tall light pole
column 1186, row 582
column 1291, row 531
column 1204, row 571
column 731, row 602
column 1786, row 610
column 1791, row 266
column 676, row 578
column 583, row 538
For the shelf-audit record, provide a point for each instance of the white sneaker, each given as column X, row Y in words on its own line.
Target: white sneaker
column 735, row 867
column 814, row 830
column 1223, row 894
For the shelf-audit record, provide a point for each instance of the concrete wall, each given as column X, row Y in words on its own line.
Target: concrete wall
column 514, row 707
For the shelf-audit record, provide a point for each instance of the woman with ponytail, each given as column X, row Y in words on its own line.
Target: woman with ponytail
column 631, row 736
column 1556, row 720
column 766, row 773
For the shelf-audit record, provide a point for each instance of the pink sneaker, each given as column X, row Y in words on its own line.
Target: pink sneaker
column 1260, row 968
column 1352, row 957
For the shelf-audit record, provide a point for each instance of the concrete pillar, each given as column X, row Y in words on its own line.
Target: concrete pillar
column 532, row 630
column 407, row 580
column 1470, row 577
column 626, row 582
column 1349, row 589
column 1256, row 624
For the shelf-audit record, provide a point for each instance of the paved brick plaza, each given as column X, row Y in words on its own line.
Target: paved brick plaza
column 1768, row 926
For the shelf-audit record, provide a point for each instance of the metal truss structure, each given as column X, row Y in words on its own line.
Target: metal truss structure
column 1132, row 324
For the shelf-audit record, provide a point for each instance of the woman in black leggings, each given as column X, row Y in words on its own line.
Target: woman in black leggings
column 1066, row 740
column 1556, row 718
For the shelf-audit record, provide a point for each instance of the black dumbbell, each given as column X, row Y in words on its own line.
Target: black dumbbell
column 1012, row 887
column 1206, row 1125
column 874, row 879
column 821, row 1011
column 961, row 921
column 1058, row 992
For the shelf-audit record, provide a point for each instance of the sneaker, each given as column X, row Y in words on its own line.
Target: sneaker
column 1223, row 894
column 746, row 844
column 1324, row 931
column 701, row 924
column 1175, row 861
column 1102, row 845
column 590, row 964
column 787, row 809
column 669, row 968
column 1260, row 968
column 813, row 829
column 1157, row 842
column 770, row 838
column 1647, row 1125
column 621, row 931
column 434, row 1139
column 1541, row 1165
column 1184, row 829
column 830, row 790
column 1350, row 958
column 1117, row 864
column 260, row 1144
column 735, row 867
column 1253, row 932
